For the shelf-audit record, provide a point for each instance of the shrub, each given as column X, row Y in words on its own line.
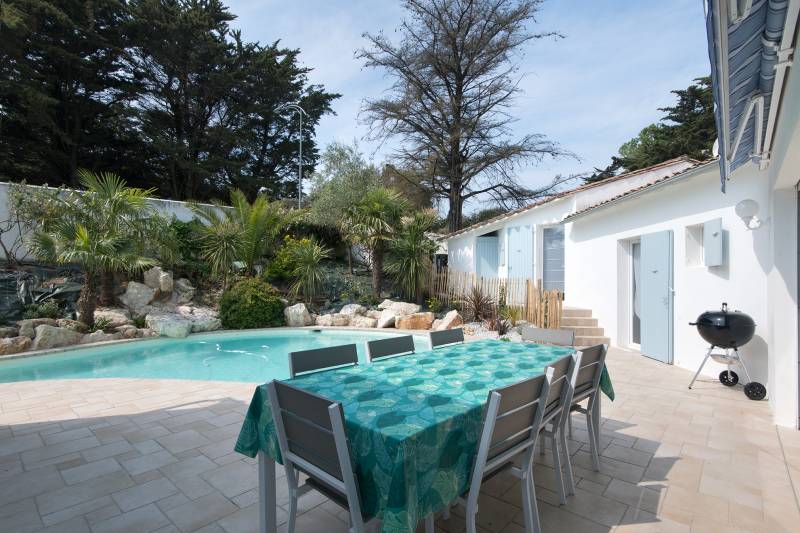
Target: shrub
column 283, row 265
column 100, row 324
column 512, row 314
column 434, row 305
column 251, row 303
column 47, row 309
column 308, row 271
column 477, row 303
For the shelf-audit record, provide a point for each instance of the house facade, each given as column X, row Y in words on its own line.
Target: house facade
column 648, row 252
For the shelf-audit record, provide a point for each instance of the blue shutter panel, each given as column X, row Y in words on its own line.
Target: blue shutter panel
column 712, row 243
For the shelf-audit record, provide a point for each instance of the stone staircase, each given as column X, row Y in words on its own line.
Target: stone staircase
column 587, row 331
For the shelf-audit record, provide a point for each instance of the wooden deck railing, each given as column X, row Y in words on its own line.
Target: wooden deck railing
column 539, row 307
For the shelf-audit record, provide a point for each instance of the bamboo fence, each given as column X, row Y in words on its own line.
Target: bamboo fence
column 539, row 307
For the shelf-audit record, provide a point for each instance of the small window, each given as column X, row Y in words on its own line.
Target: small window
column 704, row 244
column 694, row 245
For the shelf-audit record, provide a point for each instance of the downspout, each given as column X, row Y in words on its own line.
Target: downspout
column 719, row 9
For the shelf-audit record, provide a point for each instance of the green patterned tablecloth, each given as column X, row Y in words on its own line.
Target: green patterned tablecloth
column 413, row 422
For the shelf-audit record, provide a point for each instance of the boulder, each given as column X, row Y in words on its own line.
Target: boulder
column 415, row 321
column 54, row 337
column 145, row 332
column 353, row 310
column 202, row 318
column 10, row 331
column 374, row 313
column 137, row 296
column 182, row 292
column 451, row 320
column 363, row 322
column 400, row 308
column 100, row 336
column 324, row 320
column 387, row 318
column 74, row 325
column 297, row 316
column 116, row 316
column 165, row 283
column 12, row 345
column 338, row 319
column 168, row 324
column 127, row 331
column 158, row 279
column 27, row 327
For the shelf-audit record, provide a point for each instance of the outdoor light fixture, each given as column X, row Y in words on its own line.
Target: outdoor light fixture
column 747, row 210
column 295, row 107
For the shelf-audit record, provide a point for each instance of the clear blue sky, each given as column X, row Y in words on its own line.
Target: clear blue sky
column 590, row 92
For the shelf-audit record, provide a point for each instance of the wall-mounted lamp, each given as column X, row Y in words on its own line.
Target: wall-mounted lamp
column 747, row 210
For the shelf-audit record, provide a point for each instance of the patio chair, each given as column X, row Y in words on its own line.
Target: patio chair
column 561, row 337
column 555, row 416
column 446, row 337
column 587, row 386
column 312, row 439
column 511, row 425
column 381, row 348
column 322, row 359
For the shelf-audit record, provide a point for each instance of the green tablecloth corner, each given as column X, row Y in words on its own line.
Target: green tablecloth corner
column 413, row 422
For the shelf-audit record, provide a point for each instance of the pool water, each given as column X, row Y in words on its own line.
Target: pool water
column 256, row 356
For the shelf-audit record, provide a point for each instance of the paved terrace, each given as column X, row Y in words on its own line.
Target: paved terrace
column 145, row 455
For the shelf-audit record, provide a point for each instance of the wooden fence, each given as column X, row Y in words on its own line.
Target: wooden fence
column 539, row 307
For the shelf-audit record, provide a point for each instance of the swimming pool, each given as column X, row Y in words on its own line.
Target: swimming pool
column 256, row 356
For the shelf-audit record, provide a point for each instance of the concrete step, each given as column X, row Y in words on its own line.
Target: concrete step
column 585, row 331
column 574, row 312
column 591, row 340
column 577, row 321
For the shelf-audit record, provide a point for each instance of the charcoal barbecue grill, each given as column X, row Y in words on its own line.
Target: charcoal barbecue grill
column 728, row 330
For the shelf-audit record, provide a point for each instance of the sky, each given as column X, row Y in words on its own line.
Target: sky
column 590, row 91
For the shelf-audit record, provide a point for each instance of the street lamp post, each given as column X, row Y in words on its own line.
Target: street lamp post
column 295, row 106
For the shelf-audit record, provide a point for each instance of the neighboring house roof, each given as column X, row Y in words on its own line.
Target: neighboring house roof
column 748, row 52
column 648, row 187
column 570, row 192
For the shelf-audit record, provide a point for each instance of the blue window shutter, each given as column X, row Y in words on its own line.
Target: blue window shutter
column 712, row 243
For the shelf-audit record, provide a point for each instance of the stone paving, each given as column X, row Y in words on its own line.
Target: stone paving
column 114, row 455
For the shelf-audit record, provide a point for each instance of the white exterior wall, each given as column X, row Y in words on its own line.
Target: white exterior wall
column 461, row 253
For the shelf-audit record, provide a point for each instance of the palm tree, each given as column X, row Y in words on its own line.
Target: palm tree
column 374, row 219
column 98, row 230
column 242, row 232
column 308, row 255
column 410, row 253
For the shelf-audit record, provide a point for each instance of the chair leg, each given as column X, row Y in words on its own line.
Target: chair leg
column 568, row 462
column 559, row 474
column 529, row 505
column 470, row 512
column 594, row 440
column 446, row 512
column 429, row 523
column 292, row 480
column 542, row 442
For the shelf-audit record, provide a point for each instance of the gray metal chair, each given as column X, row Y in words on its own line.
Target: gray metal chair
column 312, row 439
column 513, row 419
column 556, row 415
column 446, row 337
column 322, row 359
column 380, row 348
column 587, row 386
column 561, row 337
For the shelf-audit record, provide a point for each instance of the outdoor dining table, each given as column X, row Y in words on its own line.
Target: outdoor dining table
column 413, row 423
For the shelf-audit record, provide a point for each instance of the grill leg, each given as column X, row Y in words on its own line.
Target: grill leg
column 741, row 363
column 708, row 354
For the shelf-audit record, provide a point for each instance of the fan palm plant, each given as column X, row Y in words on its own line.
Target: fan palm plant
column 242, row 232
column 308, row 255
column 374, row 219
column 99, row 230
column 411, row 249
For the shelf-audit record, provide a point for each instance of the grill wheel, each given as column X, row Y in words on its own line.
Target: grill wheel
column 729, row 378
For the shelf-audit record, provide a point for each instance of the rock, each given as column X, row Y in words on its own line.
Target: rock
column 202, row 318
column 182, row 292
column 387, row 318
column 436, row 324
column 100, row 336
column 116, row 316
column 12, row 345
column 54, row 337
column 451, row 320
column 145, row 332
column 415, row 321
column 297, row 316
column 74, row 325
column 168, row 324
column 400, row 308
column 363, row 322
column 27, row 327
column 10, row 331
column 127, row 331
column 137, row 295
column 338, row 319
column 374, row 313
column 324, row 320
column 165, row 283
column 353, row 310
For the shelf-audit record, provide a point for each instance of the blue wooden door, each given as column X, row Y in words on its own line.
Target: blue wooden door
column 520, row 252
column 656, row 296
column 486, row 257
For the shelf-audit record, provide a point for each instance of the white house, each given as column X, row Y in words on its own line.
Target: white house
column 648, row 251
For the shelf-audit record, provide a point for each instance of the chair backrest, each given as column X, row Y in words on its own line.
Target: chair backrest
column 561, row 388
column 511, row 425
column 392, row 346
column 587, row 380
column 445, row 337
column 322, row 358
column 312, row 438
column 562, row 337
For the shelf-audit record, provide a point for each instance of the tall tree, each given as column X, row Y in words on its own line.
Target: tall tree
column 688, row 128
column 455, row 80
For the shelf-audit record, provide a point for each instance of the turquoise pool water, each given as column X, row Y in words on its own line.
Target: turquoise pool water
column 257, row 356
